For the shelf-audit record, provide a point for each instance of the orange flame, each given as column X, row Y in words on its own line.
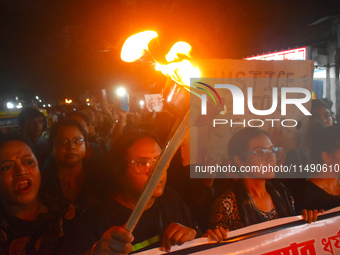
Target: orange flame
column 178, row 70
column 134, row 47
column 178, row 48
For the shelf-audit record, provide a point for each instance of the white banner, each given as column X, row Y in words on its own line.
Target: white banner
column 286, row 236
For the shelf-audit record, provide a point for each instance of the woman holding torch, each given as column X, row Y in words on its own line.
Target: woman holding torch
column 165, row 220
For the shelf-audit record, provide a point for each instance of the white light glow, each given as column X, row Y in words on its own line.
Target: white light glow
column 121, row 91
column 10, row 105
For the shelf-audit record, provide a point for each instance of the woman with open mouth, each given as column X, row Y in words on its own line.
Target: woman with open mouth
column 31, row 222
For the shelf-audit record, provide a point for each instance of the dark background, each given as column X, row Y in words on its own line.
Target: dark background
column 59, row 49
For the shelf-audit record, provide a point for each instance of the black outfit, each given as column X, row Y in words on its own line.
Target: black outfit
column 39, row 236
column 198, row 197
column 95, row 186
column 43, row 150
column 166, row 209
column 313, row 197
column 236, row 209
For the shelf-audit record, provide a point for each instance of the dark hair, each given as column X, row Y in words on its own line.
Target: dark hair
column 29, row 113
column 327, row 139
column 8, row 138
column 123, row 143
column 82, row 115
column 239, row 142
column 65, row 123
column 325, row 102
column 91, row 108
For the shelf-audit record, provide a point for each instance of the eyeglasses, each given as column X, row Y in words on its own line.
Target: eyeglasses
column 263, row 154
column 75, row 141
column 143, row 164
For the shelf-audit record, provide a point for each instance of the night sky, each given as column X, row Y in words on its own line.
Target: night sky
column 59, row 49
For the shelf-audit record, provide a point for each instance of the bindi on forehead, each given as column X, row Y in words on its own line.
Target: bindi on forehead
column 15, row 157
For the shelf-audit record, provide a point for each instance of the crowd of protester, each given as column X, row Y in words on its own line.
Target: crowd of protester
column 68, row 183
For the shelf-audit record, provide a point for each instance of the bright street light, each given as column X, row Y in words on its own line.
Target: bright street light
column 121, row 91
column 10, row 105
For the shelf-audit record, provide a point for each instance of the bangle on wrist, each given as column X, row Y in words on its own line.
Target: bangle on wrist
column 93, row 247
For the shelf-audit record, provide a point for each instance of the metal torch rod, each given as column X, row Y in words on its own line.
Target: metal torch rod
column 166, row 155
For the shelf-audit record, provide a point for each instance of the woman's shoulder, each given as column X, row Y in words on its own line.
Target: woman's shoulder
column 227, row 200
column 173, row 208
column 228, row 194
column 170, row 193
column 58, row 207
column 225, row 211
column 31, row 235
column 170, row 199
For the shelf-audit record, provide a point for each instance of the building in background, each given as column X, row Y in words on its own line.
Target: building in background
column 320, row 42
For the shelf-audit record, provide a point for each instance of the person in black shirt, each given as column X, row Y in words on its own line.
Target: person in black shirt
column 165, row 220
column 31, row 221
column 322, row 189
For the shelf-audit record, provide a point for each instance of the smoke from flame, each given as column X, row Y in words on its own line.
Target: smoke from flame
column 178, row 70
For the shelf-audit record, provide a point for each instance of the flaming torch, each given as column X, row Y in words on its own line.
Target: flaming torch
column 176, row 95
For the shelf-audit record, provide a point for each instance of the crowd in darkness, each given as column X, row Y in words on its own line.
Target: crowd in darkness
column 69, row 182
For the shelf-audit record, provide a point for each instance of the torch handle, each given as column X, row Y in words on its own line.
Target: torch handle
column 165, row 157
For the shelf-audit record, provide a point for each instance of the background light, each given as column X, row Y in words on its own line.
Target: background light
column 121, row 91
column 10, row 105
column 141, row 103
